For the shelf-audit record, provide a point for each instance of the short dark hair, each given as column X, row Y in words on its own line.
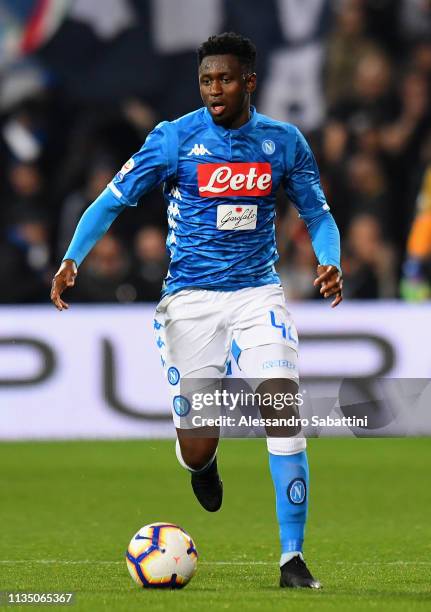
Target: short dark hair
column 230, row 43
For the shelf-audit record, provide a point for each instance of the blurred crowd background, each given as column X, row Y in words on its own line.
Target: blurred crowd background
column 83, row 82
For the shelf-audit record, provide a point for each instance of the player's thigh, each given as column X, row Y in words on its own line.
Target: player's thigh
column 272, row 371
column 277, row 392
column 194, row 346
column 266, row 322
column 266, row 343
column 264, row 319
column 191, row 334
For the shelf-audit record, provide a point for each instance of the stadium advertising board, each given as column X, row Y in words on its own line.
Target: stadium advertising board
column 95, row 372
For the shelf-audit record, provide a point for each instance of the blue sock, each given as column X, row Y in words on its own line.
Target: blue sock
column 290, row 476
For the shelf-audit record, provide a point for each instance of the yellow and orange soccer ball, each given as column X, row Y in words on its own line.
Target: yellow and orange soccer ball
column 161, row 555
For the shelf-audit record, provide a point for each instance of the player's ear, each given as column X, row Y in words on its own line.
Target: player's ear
column 250, row 82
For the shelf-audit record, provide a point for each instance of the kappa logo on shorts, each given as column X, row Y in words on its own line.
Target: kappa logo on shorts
column 173, row 375
column 297, row 491
column 237, row 179
column 278, row 363
column 181, row 405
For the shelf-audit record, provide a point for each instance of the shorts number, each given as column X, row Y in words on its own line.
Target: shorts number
column 274, row 323
column 287, row 333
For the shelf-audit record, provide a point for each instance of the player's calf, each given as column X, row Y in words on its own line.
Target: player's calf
column 289, row 471
column 198, row 456
column 193, row 452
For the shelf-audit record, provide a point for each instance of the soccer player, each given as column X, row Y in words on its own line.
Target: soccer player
column 221, row 166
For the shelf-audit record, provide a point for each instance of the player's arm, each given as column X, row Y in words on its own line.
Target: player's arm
column 154, row 163
column 93, row 224
column 325, row 239
column 303, row 188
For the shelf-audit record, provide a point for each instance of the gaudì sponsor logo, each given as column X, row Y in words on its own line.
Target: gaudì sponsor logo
column 236, row 179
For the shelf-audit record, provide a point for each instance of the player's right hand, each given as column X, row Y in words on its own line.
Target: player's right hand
column 64, row 278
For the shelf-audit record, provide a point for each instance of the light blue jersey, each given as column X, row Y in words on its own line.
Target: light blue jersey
column 220, row 188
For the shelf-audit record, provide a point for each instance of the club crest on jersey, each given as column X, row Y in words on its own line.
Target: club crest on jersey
column 268, row 147
column 199, row 149
column 236, row 179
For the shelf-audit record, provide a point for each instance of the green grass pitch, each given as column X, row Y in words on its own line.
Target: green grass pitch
column 68, row 511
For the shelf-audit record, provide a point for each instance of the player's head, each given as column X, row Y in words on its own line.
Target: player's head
column 227, row 77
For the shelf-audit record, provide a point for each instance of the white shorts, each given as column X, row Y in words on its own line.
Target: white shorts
column 200, row 333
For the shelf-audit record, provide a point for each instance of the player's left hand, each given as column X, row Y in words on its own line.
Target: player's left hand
column 331, row 283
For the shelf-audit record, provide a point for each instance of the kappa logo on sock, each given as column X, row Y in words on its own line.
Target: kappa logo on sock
column 297, row 491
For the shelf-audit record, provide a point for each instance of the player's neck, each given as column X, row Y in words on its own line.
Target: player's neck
column 241, row 119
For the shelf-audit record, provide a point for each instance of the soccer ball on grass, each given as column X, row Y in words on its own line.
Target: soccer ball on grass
column 161, row 555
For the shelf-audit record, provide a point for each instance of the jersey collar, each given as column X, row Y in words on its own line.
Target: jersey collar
column 247, row 127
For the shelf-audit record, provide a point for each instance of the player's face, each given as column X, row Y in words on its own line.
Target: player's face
column 225, row 89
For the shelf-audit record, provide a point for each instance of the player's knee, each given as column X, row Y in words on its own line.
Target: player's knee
column 282, row 391
column 197, row 452
column 279, row 404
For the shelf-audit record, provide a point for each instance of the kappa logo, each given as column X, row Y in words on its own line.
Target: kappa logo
column 199, row 149
column 278, row 363
column 175, row 193
column 236, row 179
column 174, row 209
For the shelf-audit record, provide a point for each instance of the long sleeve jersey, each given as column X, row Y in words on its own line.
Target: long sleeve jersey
column 220, row 190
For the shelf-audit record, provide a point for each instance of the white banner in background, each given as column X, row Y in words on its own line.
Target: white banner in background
column 95, row 372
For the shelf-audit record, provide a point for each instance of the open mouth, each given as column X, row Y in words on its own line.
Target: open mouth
column 217, row 108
